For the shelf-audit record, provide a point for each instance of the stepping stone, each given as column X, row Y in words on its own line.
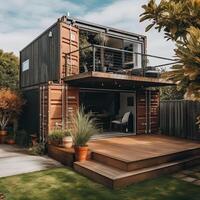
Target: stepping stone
column 188, row 179
column 197, row 174
column 179, row 175
column 187, row 172
column 196, row 169
column 197, row 182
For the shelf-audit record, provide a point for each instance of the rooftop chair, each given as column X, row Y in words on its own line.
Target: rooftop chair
column 123, row 122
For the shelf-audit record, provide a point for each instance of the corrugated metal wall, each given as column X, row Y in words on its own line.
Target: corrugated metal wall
column 43, row 54
column 58, row 103
column 69, row 40
column 178, row 118
column 47, row 55
column 147, row 111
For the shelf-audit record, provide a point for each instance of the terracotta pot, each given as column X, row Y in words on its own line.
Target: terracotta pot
column 3, row 133
column 67, row 142
column 81, row 153
column 56, row 143
column 2, row 136
column 10, row 141
column 34, row 139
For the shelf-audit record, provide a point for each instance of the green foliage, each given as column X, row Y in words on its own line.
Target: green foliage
column 65, row 184
column 171, row 93
column 84, row 128
column 38, row 149
column 179, row 19
column 187, row 73
column 57, row 135
column 85, row 54
column 9, row 70
column 172, row 16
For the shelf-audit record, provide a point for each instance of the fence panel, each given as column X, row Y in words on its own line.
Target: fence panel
column 178, row 118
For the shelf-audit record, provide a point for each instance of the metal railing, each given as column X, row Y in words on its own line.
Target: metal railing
column 109, row 59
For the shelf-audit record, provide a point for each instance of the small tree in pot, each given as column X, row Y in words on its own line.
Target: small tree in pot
column 10, row 106
column 84, row 128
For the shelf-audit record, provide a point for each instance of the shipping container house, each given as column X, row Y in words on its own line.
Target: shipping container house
column 76, row 63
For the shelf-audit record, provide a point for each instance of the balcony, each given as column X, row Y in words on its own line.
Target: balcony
column 98, row 58
column 111, row 68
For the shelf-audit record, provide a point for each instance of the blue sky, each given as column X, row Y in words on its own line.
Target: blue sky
column 22, row 20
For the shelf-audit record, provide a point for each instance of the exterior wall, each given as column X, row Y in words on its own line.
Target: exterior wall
column 69, row 40
column 58, row 103
column 46, row 55
column 43, row 54
column 147, row 111
column 29, row 118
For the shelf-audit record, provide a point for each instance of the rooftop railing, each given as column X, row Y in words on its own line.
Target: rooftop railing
column 112, row 60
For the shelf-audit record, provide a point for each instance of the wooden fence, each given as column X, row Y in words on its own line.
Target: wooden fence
column 178, row 118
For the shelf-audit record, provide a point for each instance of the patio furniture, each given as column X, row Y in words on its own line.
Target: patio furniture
column 123, row 122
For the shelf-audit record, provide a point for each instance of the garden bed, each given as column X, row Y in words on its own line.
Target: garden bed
column 62, row 155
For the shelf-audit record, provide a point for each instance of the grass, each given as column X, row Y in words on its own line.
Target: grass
column 64, row 184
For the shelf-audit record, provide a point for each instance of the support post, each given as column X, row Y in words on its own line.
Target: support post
column 94, row 54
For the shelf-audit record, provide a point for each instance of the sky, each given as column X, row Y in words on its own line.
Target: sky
column 23, row 20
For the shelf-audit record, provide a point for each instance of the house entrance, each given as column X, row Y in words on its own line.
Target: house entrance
column 114, row 111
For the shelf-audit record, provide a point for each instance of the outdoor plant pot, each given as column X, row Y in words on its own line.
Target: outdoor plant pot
column 55, row 143
column 81, row 153
column 67, row 142
column 34, row 139
column 103, row 69
column 3, row 134
column 10, row 141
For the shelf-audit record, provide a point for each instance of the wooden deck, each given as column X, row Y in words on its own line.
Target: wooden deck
column 134, row 148
column 120, row 161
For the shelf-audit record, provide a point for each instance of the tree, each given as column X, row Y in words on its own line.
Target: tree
column 171, row 93
column 179, row 19
column 9, row 70
column 10, row 106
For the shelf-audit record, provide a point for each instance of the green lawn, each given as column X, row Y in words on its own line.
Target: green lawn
column 63, row 183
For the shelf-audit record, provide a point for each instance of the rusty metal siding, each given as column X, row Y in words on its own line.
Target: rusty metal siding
column 43, row 54
column 47, row 56
column 69, row 40
column 147, row 111
column 58, row 103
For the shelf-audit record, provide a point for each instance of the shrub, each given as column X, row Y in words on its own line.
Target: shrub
column 57, row 135
column 38, row 149
column 84, row 128
column 10, row 106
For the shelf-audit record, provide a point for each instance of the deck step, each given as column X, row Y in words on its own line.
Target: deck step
column 117, row 178
column 127, row 165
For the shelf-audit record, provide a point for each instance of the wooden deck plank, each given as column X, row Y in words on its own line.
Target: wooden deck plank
column 134, row 148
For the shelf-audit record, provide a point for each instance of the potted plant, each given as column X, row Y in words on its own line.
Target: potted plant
column 67, row 139
column 34, row 139
column 10, row 106
column 55, row 137
column 84, row 128
column 11, row 138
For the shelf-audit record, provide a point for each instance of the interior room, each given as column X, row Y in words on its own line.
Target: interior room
column 113, row 111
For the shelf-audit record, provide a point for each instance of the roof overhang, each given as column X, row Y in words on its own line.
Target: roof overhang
column 113, row 81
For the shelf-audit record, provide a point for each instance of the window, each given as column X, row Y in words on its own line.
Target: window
column 135, row 59
column 25, row 65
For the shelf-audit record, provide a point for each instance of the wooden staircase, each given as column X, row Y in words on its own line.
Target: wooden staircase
column 117, row 172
